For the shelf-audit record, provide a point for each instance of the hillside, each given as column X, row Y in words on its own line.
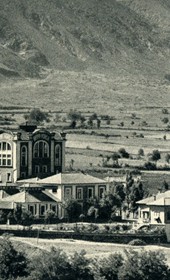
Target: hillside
column 126, row 37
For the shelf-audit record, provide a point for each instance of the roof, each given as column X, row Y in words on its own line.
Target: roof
column 117, row 179
column 70, row 179
column 30, row 197
column 152, row 200
column 6, row 205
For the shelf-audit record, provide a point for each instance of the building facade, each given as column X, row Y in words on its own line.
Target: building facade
column 30, row 152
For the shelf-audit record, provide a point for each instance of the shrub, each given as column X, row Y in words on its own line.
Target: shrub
column 13, row 264
column 123, row 153
column 150, row 166
column 144, row 265
column 137, row 242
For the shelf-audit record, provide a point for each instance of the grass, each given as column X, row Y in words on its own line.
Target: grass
column 33, row 246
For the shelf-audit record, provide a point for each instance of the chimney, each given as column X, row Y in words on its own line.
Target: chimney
column 154, row 197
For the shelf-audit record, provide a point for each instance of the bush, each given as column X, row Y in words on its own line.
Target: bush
column 144, row 265
column 13, row 264
column 123, row 153
column 137, row 242
column 150, row 166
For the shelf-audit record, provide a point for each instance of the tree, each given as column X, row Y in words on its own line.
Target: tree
column 18, row 213
column 115, row 156
column 123, row 153
column 155, row 155
column 74, row 116
column 141, row 152
column 164, row 111
column 49, row 216
column 144, row 265
column 80, row 267
column 53, row 265
column 167, row 158
column 13, row 264
column 165, row 120
column 3, row 216
column 37, row 116
column 26, row 217
column 73, row 209
column 98, row 123
column 107, row 203
column 109, row 267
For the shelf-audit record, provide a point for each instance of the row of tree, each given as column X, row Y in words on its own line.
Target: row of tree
column 57, row 265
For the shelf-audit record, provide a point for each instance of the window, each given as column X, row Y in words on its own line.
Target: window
column 44, row 169
column 23, row 175
column 90, row 193
column 79, row 193
column 67, row 193
column 5, row 154
column 31, row 209
column 53, row 208
column 41, row 150
column 24, row 156
column 8, row 177
column 42, row 211
column 54, row 190
column 101, row 191
column 58, row 155
column 37, row 169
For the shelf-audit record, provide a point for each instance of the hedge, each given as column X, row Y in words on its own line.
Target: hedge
column 124, row 238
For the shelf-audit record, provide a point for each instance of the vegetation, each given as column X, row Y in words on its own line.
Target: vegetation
column 13, row 264
column 37, row 116
column 57, row 265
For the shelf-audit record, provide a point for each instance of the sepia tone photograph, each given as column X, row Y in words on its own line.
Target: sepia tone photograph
column 85, row 140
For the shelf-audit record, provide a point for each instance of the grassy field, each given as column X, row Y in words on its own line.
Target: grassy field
column 93, row 249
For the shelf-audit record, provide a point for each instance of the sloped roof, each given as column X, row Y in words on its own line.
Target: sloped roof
column 71, row 178
column 153, row 199
column 158, row 202
column 6, row 205
column 30, row 197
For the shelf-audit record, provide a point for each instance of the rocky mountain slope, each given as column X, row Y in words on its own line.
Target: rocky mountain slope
column 121, row 37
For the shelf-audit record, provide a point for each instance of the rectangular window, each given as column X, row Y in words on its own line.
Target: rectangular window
column 37, row 169
column 44, row 169
column 67, row 193
column 54, row 190
column 31, row 209
column 8, row 177
column 4, row 146
column 53, row 208
column 42, row 210
column 101, row 191
column 79, row 193
column 90, row 193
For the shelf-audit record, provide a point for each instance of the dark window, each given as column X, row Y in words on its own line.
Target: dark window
column 57, row 155
column 42, row 210
column 79, row 193
column 90, row 192
column 41, row 150
column 24, row 156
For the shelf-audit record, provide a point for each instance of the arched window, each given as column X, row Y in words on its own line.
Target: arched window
column 41, row 149
column 5, row 154
column 58, row 155
column 24, row 156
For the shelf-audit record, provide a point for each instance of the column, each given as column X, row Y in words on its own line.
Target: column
column 52, row 157
column 30, row 151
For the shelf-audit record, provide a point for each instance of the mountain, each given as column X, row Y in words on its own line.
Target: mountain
column 124, row 37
